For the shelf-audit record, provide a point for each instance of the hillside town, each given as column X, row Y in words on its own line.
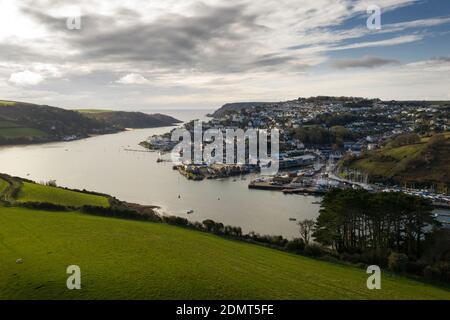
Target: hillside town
column 315, row 134
column 331, row 125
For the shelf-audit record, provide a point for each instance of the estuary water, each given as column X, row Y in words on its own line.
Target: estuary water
column 103, row 164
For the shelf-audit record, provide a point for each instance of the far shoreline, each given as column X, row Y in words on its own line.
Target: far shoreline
column 31, row 143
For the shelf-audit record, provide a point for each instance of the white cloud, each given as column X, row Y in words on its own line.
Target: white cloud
column 247, row 52
column 48, row 70
column 381, row 43
column 133, row 78
column 26, row 78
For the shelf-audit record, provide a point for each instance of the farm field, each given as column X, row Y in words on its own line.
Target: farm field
column 122, row 259
column 12, row 130
column 20, row 132
column 31, row 192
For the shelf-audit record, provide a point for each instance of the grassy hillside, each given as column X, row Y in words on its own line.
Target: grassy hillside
column 11, row 130
column 236, row 107
column 426, row 162
column 21, row 132
column 6, row 103
column 129, row 119
column 22, row 123
column 93, row 110
column 3, row 185
column 31, row 192
column 122, row 259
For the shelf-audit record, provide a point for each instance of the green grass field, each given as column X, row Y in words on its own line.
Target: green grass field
column 93, row 110
column 5, row 103
column 11, row 130
column 122, row 259
column 31, row 192
column 3, row 185
column 446, row 135
column 399, row 155
column 19, row 132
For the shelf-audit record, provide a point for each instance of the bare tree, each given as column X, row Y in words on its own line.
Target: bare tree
column 306, row 229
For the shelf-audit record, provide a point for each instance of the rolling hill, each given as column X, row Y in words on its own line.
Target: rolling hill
column 123, row 119
column 27, row 123
column 236, row 107
column 424, row 163
column 22, row 123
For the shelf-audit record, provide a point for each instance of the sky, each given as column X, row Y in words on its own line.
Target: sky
column 133, row 55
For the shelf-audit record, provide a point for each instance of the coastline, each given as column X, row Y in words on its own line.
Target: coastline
column 14, row 144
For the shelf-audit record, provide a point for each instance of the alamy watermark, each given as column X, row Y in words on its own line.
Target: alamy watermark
column 374, row 19
column 73, row 21
column 374, row 280
column 227, row 146
column 74, row 280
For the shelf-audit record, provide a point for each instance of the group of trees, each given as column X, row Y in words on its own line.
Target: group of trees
column 316, row 135
column 330, row 119
column 392, row 230
column 404, row 139
column 357, row 221
column 219, row 228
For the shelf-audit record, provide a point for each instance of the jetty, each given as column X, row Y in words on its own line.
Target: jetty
column 285, row 188
column 304, row 191
column 135, row 150
column 265, row 185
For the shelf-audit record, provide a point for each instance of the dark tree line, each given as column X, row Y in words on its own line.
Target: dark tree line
column 356, row 221
column 319, row 135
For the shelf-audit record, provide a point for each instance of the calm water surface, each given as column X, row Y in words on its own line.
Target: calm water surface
column 102, row 164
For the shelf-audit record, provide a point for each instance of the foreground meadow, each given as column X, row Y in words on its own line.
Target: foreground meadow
column 121, row 259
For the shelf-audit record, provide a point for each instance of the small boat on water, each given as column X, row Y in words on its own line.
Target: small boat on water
column 292, row 219
column 190, row 211
column 316, row 202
